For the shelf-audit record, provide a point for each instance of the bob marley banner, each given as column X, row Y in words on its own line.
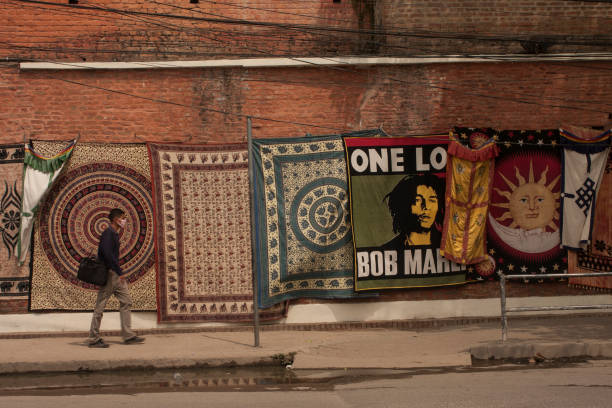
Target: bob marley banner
column 397, row 188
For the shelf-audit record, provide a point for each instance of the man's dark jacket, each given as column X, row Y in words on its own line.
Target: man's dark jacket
column 108, row 250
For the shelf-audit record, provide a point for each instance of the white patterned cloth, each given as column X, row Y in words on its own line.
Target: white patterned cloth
column 39, row 175
column 584, row 162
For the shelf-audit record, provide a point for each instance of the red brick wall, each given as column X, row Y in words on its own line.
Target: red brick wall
column 77, row 33
column 14, row 306
column 572, row 25
column 405, row 100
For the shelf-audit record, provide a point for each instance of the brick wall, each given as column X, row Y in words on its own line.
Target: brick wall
column 565, row 25
column 18, row 306
column 407, row 27
column 405, row 100
column 82, row 32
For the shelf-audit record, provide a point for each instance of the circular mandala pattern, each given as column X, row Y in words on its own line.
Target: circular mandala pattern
column 478, row 139
column 320, row 216
column 76, row 213
column 486, row 268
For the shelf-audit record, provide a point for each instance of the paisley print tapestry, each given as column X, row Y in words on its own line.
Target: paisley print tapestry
column 97, row 178
column 203, row 233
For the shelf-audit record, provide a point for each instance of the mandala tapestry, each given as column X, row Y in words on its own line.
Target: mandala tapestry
column 203, row 233
column 14, row 279
column 303, row 243
column 598, row 255
column 97, row 178
column 523, row 222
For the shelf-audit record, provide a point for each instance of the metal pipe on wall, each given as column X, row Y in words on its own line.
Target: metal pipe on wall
column 252, row 207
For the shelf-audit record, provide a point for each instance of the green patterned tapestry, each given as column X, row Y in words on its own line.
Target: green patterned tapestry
column 303, row 236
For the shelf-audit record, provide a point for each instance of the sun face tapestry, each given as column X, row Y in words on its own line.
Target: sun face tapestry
column 14, row 279
column 302, row 219
column 523, row 223
column 97, row 178
column 203, row 238
column 397, row 208
column 598, row 255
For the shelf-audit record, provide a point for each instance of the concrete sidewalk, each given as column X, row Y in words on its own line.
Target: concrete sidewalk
column 551, row 337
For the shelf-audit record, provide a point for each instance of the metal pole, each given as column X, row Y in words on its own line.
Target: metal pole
column 504, row 321
column 559, row 275
column 253, row 262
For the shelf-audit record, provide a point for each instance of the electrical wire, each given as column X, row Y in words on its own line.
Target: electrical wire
column 242, row 33
column 257, row 50
column 495, row 97
column 180, row 28
column 196, row 107
column 225, row 20
column 78, row 12
column 447, row 7
column 303, row 124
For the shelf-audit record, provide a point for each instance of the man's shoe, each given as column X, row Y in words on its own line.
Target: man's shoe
column 98, row 344
column 134, row 340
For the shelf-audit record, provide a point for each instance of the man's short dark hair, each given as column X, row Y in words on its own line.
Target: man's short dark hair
column 115, row 213
column 404, row 195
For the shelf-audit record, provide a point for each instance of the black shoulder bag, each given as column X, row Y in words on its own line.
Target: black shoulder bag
column 93, row 271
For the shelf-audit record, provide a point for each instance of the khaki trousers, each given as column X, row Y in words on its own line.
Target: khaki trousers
column 119, row 288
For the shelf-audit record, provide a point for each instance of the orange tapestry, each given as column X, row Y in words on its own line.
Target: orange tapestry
column 469, row 178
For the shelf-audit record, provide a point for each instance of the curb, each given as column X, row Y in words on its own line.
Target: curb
column 544, row 351
column 278, row 360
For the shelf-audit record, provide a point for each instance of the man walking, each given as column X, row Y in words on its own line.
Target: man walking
column 108, row 252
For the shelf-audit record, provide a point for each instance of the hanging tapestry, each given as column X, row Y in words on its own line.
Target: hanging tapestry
column 14, row 279
column 303, row 236
column 98, row 177
column 598, row 255
column 584, row 160
column 203, row 233
column 39, row 174
column 397, row 210
column 523, row 222
column 469, row 179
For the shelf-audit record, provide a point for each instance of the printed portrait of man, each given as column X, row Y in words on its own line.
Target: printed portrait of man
column 416, row 205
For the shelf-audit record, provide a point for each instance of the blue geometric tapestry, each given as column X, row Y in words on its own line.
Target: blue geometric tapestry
column 303, row 237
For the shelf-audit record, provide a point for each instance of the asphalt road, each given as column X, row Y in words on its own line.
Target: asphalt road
column 582, row 385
